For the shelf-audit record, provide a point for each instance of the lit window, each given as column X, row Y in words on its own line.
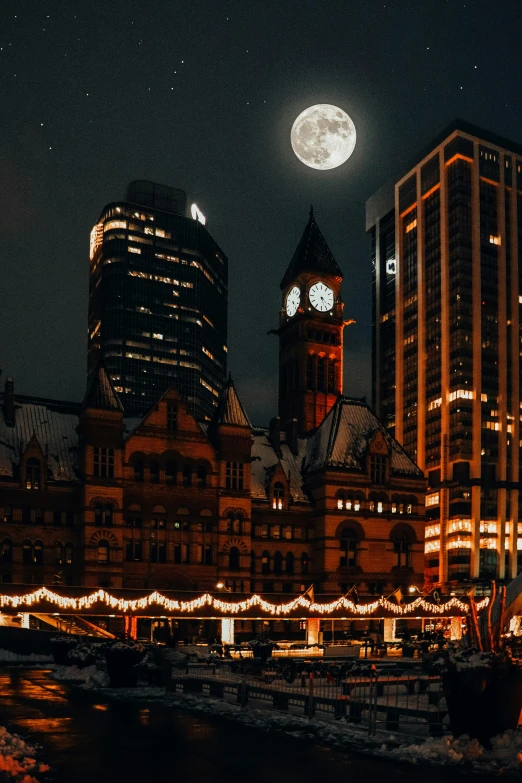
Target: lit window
column 432, row 546
column 32, row 474
column 494, row 239
column 114, row 224
column 432, row 531
column 340, row 503
column 379, row 507
column 134, row 250
column 411, row 226
column 459, row 543
column 357, row 505
column 456, row 525
column 433, row 500
column 157, row 336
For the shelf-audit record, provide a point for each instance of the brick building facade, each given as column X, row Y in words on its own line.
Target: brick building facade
column 89, row 496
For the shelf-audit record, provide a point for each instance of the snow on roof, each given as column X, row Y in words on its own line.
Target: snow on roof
column 55, row 431
column 264, row 459
column 344, row 436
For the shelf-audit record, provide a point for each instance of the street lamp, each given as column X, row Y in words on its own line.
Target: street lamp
column 412, row 589
column 223, row 586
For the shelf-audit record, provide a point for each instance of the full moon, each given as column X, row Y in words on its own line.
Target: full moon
column 323, row 136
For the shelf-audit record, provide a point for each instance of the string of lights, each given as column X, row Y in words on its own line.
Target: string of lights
column 302, row 602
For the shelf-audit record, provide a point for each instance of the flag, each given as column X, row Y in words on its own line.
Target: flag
column 397, row 594
column 354, row 593
column 433, row 595
column 309, row 593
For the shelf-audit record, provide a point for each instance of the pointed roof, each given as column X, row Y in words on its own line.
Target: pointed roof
column 100, row 392
column 230, row 409
column 343, row 438
column 312, row 255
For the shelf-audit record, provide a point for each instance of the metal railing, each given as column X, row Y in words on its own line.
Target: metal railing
column 394, row 700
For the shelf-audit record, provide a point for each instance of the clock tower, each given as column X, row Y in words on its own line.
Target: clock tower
column 310, row 333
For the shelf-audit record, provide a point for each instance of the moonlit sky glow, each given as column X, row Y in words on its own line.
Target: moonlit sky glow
column 202, row 95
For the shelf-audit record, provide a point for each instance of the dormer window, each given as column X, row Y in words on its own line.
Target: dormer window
column 378, row 469
column 172, row 417
column 33, row 474
column 279, row 496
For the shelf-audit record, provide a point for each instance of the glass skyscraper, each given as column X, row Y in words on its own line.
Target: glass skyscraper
column 158, row 300
column 446, row 243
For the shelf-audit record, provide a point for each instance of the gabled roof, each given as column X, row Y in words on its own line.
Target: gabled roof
column 100, row 392
column 230, row 409
column 54, row 428
column 343, row 438
column 312, row 255
column 265, row 460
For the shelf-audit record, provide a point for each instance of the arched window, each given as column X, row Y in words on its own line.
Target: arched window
column 103, row 516
column 278, row 563
column 103, row 552
column 331, row 377
column 187, row 475
column 202, row 476
column 38, row 552
column 133, row 516
column 320, row 374
column 265, row 562
column 235, row 523
column 27, row 552
column 7, row 551
column 33, row 474
column 233, row 558
column 154, row 470
column 289, row 563
column 310, row 372
column 279, row 496
column 252, row 562
column 58, row 553
column 68, row 553
column 171, row 471
column 159, row 522
column 348, row 544
column 138, row 470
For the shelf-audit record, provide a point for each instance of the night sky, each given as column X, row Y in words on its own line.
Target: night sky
column 202, row 95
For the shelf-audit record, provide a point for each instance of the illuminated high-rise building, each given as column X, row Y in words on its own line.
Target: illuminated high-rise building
column 158, row 300
column 446, row 243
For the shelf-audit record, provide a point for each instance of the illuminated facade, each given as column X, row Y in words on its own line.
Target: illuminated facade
column 158, row 300
column 447, row 268
column 94, row 497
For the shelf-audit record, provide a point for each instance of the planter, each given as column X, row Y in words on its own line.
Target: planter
column 121, row 661
column 81, row 657
column 60, row 648
column 483, row 702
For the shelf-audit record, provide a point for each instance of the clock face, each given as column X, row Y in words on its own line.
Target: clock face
column 293, row 299
column 321, row 297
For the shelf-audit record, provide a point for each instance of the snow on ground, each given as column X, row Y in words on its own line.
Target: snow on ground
column 505, row 756
column 6, row 656
column 17, row 760
column 90, row 676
